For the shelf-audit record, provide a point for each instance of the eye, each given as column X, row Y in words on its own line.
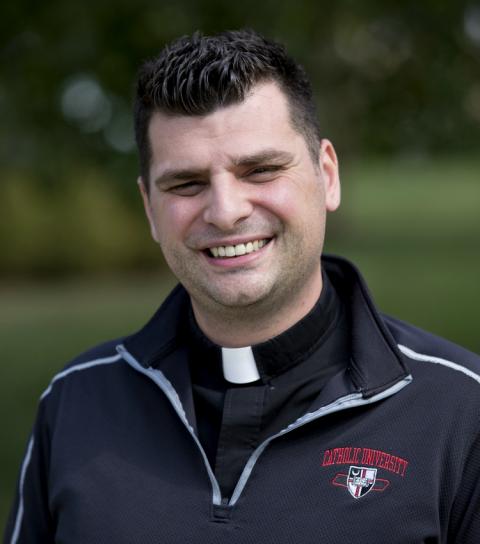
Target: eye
column 188, row 188
column 264, row 172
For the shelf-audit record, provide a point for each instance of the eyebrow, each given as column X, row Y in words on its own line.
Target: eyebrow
column 264, row 156
column 178, row 175
column 261, row 157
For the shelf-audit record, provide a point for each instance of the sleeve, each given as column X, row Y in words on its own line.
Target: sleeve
column 30, row 520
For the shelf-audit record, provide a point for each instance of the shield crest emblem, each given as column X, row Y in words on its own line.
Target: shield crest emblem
column 361, row 480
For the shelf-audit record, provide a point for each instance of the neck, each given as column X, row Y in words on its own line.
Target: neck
column 248, row 325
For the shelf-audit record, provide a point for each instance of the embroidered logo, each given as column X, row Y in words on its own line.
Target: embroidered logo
column 362, row 477
column 360, row 480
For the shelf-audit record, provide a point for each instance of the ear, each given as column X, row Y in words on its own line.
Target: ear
column 329, row 169
column 148, row 207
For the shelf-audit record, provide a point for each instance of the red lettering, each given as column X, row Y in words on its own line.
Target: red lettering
column 336, row 452
column 327, row 458
column 348, row 456
column 391, row 463
column 365, row 456
column 356, row 454
column 383, row 459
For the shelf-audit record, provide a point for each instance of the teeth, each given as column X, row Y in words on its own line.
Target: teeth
column 237, row 250
column 240, row 249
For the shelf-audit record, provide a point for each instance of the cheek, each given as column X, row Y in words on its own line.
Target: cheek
column 294, row 201
column 173, row 219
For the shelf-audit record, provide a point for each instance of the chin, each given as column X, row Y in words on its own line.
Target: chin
column 240, row 299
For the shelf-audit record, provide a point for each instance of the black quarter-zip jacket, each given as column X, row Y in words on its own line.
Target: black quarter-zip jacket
column 388, row 452
column 233, row 419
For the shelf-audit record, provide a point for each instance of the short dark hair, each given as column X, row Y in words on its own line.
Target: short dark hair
column 194, row 75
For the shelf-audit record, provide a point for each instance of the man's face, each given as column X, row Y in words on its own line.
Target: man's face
column 238, row 206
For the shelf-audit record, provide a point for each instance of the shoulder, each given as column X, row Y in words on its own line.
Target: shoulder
column 85, row 365
column 102, row 365
column 100, row 352
column 424, row 349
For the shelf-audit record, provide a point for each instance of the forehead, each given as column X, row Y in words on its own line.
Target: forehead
column 262, row 120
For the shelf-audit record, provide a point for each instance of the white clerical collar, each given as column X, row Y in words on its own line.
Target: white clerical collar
column 239, row 365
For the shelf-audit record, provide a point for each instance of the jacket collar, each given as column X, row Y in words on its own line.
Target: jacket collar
column 281, row 353
column 376, row 362
column 160, row 336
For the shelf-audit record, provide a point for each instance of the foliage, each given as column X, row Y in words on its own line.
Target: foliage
column 401, row 80
column 81, row 225
column 397, row 78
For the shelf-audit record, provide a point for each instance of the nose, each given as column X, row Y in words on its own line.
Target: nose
column 228, row 203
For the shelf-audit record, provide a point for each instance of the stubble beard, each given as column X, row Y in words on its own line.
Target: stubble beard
column 255, row 302
column 233, row 299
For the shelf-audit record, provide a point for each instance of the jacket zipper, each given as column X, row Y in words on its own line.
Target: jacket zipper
column 349, row 401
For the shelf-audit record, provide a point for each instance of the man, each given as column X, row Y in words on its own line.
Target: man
column 267, row 400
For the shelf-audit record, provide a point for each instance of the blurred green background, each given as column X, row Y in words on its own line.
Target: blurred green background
column 398, row 91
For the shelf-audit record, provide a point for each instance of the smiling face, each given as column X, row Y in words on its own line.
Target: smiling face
column 238, row 208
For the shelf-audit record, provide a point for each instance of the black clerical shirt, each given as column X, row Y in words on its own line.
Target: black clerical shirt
column 232, row 420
